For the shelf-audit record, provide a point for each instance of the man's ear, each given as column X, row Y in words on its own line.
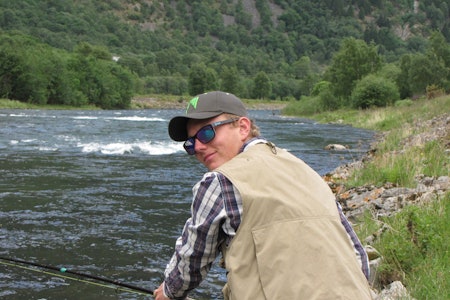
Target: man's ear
column 245, row 126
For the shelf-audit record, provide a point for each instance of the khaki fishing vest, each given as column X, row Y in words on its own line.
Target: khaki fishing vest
column 290, row 244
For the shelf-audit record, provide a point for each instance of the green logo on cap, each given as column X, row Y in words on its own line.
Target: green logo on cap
column 193, row 102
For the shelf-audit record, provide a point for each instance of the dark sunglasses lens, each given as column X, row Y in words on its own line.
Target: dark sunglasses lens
column 206, row 134
column 189, row 146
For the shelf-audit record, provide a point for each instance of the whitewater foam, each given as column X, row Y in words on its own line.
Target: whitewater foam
column 157, row 148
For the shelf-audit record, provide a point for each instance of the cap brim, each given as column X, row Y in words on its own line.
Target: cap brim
column 177, row 125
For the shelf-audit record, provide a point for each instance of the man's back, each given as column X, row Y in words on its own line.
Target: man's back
column 291, row 243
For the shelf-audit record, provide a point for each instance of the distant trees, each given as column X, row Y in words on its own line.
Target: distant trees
column 424, row 69
column 230, row 80
column 189, row 47
column 36, row 73
column 358, row 77
column 202, row 79
column 262, row 86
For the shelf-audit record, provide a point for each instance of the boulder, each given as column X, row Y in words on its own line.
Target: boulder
column 336, row 147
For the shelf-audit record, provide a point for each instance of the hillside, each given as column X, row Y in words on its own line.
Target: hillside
column 287, row 42
column 289, row 28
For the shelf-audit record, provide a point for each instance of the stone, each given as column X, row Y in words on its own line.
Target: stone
column 394, row 291
column 335, row 147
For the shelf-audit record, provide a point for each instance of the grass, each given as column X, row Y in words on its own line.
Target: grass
column 14, row 104
column 414, row 247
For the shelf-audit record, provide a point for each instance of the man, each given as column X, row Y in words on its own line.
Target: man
column 276, row 222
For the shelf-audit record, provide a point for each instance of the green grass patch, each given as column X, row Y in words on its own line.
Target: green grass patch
column 380, row 119
column 14, row 104
column 414, row 246
column 305, row 107
column 433, row 159
column 401, row 167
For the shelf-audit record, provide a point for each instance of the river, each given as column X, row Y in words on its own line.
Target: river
column 107, row 193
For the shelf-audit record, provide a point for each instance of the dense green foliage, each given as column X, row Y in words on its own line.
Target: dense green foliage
column 181, row 47
column 36, row 73
column 374, row 91
column 358, row 77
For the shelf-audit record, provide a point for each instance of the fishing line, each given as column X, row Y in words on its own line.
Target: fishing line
column 120, row 285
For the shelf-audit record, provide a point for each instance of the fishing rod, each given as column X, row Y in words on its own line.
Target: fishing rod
column 64, row 270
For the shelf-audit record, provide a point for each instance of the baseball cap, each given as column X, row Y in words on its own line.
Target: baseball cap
column 205, row 106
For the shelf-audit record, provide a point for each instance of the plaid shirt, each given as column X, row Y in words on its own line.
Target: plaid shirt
column 216, row 213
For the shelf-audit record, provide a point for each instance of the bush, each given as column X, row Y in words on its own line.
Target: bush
column 374, row 91
column 320, row 87
column 305, row 107
column 433, row 91
column 327, row 100
column 403, row 103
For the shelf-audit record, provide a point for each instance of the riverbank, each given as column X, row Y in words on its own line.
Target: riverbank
column 180, row 102
column 398, row 197
column 146, row 102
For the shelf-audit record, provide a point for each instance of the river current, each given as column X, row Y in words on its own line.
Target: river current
column 107, row 193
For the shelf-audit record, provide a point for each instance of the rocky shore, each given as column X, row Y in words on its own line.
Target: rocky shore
column 389, row 199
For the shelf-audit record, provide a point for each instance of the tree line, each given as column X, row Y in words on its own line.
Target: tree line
column 358, row 76
column 291, row 55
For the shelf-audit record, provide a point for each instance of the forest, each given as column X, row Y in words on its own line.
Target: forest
column 328, row 54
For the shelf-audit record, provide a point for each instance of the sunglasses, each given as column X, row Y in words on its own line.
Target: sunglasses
column 205, row 135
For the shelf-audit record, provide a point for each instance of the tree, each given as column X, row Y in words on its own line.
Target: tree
column 440, row 48
column 353, row 61
column 426, row 70
column 197, row 79
column 402, row 81
column 211, row 80
column 262, row 86
column 101, row 80
column 302, row 67
column 230, row 80
column 11, row 67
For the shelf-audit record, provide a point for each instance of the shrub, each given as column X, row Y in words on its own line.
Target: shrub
column 403, row 103
column 327, row 100
column 374, row 91
column 305, row 107
column 320, row 87
column 433, row 91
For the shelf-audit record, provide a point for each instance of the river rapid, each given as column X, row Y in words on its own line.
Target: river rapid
column 107, row 193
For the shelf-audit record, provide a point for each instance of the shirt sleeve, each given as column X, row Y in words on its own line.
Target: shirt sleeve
column 198, row 246
column 360, row 252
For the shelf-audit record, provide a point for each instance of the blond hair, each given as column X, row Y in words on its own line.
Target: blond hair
column 254, row 130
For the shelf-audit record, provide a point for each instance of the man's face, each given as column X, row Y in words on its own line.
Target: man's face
column 228, row 139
